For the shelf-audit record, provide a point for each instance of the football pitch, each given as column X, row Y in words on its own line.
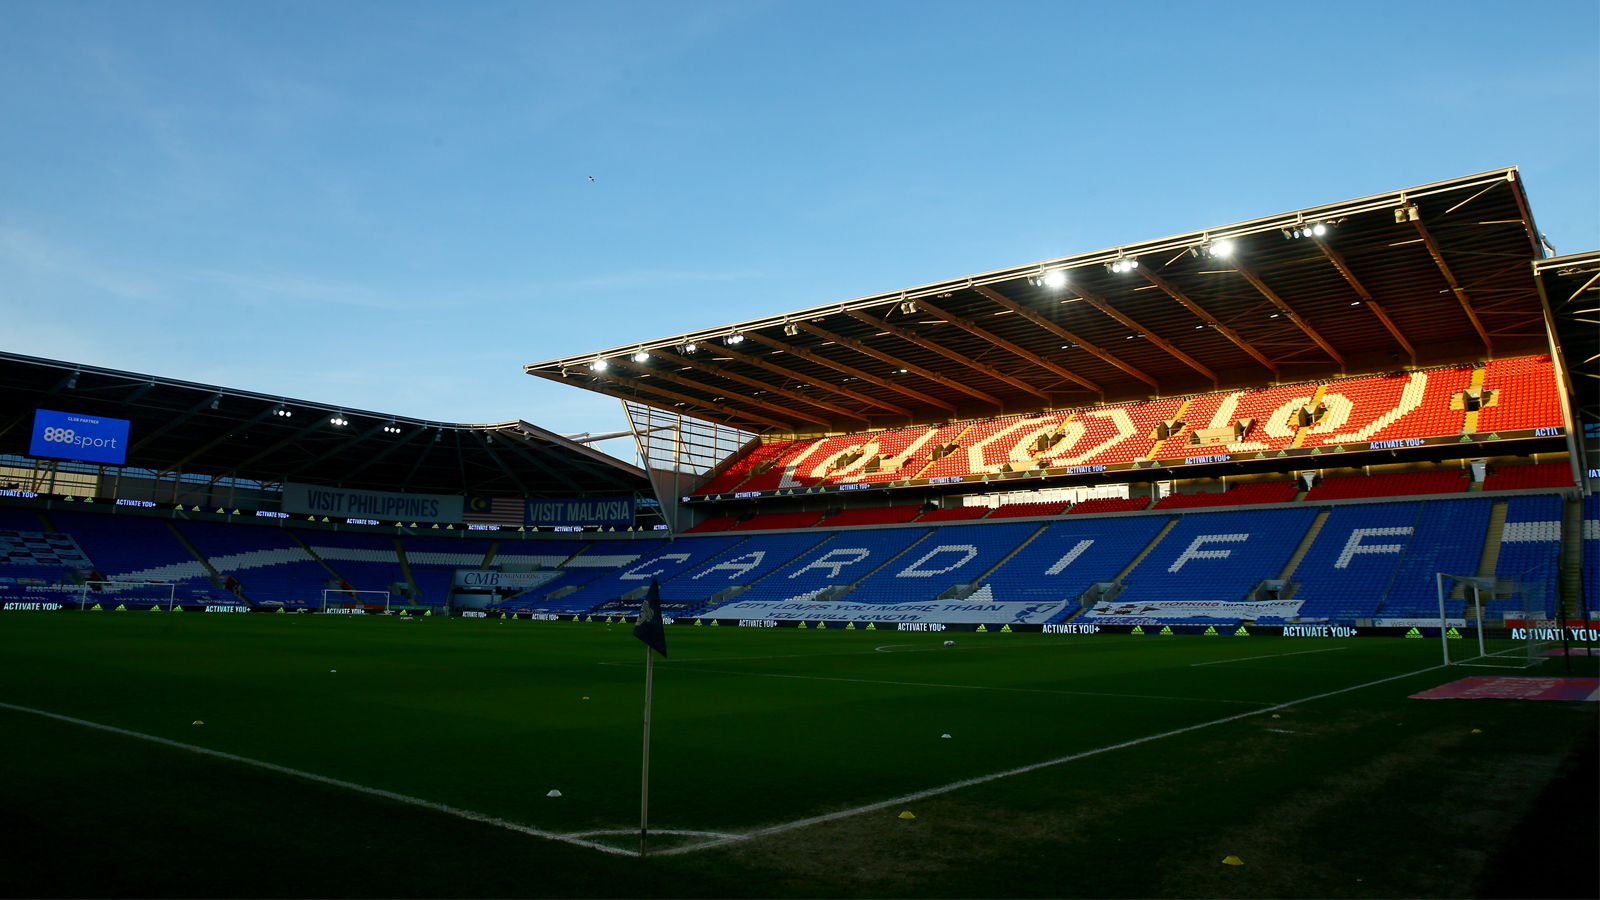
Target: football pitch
column 192, row 753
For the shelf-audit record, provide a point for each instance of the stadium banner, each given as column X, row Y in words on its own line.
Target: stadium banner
column 580, row 511
column 942, row 611
column 73, row 436
column 1196, row 609
column 489, row 581
column 1420, row 623
column 316, row 500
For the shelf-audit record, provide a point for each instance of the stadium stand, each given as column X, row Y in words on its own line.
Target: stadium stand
column 715, row 523
column 434, row 561
column 1395, row 484
column 1530, row 551
column 1525, row 395
column 1351, row 410
column 954, row 554
column 127, row 548
column 743, row 564
column 1591, row 555
column 1238, row 495
column 843, row 561
column 366, row 562
column 1529, row 477
column 1448, row 538
column 953, row 514
column 665, row 563
column 20, row 520
column 1352, row 563
column 871, row 515
column 1109, row 505
column 769, row 521
column 1021, row 510
column 1217, row 556
column 1069, row 557
column 272, row 566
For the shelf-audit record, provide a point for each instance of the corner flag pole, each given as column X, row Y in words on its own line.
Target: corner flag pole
column 650, row 631
column 644, row 778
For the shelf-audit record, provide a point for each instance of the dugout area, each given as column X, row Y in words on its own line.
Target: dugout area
column 487, row 715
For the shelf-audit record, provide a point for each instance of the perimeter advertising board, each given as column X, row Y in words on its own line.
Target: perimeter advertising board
column 612, row 511
column 316, row 500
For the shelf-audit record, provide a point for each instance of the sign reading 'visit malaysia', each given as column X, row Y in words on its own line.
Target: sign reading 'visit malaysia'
column 581, row 511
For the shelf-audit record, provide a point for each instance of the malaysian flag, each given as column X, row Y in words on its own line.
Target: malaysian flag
column 494, row 510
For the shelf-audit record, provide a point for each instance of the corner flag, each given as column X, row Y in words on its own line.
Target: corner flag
column 649, row 628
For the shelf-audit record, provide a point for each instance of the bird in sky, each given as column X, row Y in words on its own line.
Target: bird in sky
column 591, row 177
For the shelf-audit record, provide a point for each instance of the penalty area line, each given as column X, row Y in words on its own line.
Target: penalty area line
column 1216, row 662
column 969, row 782
column 334, row 782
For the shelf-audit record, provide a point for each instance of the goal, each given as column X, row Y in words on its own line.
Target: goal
column 128, row 595
column 1507, row 624
column 351, row 601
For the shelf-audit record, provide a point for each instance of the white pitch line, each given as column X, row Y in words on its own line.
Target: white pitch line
column 1100, row 642
column 957, row 785
column 889, row 647
column 965, row 687
column 1268, row 656
column 376, row 792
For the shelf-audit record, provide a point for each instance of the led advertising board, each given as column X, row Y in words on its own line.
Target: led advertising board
column 74, row 436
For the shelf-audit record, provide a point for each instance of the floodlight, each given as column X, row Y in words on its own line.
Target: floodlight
column 641, row 356
column 1055, row 278
column 790, row 329
column 1319, row 229
column 1222, row 248
column 690, row 347
column 598, row 365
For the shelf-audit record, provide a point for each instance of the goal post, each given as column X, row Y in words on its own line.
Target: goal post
column 1505, row 619
column 342, row 599
column 111, row 594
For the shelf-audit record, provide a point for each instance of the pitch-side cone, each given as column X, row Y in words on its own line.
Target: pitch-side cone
column 586, row 698
column 1276, row 716
column 553, row 794
column 198, row 722
column 907, row 815
column 944, row 735
column 1477, row 731
column 333, row 671
column 1233, row 861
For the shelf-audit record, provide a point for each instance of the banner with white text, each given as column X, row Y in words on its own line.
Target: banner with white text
column 315, row 500
column 603, row 511
column 948, row 611
column 1196, row 609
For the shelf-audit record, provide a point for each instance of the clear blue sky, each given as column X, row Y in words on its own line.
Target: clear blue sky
column 388, row 205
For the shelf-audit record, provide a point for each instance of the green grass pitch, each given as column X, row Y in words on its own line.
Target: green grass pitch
column 1357, row 793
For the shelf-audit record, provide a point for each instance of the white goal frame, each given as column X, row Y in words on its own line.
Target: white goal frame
column 1474, row 588
column 356, row 596
column 111, row 586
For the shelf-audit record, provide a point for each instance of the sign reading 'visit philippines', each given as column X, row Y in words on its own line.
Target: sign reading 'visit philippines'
column 315, row 500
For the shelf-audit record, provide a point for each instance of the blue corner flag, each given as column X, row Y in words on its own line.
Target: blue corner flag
column 649, row 628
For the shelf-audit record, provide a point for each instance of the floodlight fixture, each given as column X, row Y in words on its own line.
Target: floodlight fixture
column 1122, row 264
column 1056, row 278
column 339, row 420
column 790, row 329
column 641, row 357
column 690, row 347
column 735, row 338
column 599, row 365
column 909, row 306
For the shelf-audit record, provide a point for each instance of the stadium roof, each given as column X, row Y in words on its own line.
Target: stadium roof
column 1571, row 286
column 1423, row 275
column 223, row 432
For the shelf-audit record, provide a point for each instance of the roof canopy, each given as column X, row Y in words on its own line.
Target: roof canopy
column 1428, row 274
column 216, row 431
column 1571, row 286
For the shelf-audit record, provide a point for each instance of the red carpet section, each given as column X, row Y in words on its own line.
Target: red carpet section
column 1515, row 394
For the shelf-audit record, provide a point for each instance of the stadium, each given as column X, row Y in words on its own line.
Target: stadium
column 1080, row 576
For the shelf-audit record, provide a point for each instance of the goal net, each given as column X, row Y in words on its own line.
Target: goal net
column 1507, row 623
column 143, row 595
column 338, row 600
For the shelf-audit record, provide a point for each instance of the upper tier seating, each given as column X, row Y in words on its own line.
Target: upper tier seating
column 953, row 514
column 1354, row 411
column 1395, row 484
column 665, row 563
column 1022, row 510
column 769, row 521
column 1529, row 477
column 1238, row 495
column 871, row 515
column 746, row 562
column 1109, row 505
column 1526, row 395
column 954, row 554
column 715, row 523
column 848, row 558
column 1217, row 556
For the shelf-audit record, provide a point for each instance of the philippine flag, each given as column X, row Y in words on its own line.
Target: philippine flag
column 494, row 510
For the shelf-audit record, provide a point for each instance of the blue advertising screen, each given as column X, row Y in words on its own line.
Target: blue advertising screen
column 75, row 436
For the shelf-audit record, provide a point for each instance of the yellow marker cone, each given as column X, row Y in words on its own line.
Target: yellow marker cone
column 1477, row 731
column 198, row 722
column 907, row 815
column 1276, row 716
column 586, row 698
column 1233, row 861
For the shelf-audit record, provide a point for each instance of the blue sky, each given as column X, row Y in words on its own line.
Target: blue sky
column 388, row 205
